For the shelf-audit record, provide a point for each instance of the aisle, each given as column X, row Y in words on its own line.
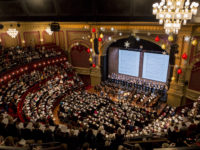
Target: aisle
column 55, row 115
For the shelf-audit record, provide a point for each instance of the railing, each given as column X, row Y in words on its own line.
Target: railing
column 17, row 71
column 179, row 148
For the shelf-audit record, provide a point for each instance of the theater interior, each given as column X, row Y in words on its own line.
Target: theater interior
column 99, row 75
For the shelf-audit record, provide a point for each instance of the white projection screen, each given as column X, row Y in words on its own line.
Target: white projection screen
column 155, row 67
column 129, row 62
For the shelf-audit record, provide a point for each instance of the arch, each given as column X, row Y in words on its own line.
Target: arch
column 79, row 56
column 72, row 43
column 106, row 45
column 80, row 41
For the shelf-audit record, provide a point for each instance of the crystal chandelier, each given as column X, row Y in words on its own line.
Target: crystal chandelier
column 12, row 32
column 48, row 30
column 173, row 13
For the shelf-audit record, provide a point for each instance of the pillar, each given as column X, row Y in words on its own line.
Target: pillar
column 95, row 76
column 177, row 86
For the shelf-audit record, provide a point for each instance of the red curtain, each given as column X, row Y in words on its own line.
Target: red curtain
column 80, row 56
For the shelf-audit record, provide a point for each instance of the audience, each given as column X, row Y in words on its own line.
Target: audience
column 119, row 110
column 11, row 57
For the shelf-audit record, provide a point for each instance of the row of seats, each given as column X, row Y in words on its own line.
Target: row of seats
column 14, row 56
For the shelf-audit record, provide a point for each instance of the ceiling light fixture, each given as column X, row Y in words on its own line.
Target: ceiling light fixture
column 12, row 32
column 174, row 13
column 48, row 30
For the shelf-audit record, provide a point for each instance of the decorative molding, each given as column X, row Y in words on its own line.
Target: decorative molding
column 191, row 94
column 96, row 72
column 83, row 71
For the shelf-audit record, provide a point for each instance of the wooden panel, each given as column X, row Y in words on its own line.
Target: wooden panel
column 8, row 41
column 61, row 39
column 32, row 38
column 48, row 38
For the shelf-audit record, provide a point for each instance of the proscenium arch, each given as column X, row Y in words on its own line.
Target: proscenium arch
column 106, row 45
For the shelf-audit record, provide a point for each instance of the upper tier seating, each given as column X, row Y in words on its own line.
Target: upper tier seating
column 15, row 56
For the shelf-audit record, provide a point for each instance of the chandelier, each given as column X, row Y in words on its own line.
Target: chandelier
column 174, row 13
column 12, row 32
column 48, row 30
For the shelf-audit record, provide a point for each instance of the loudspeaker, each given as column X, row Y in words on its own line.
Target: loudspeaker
column 55, row 27
column 104, row 68
column 186, row 83
column 96, row 45
column 1, row 26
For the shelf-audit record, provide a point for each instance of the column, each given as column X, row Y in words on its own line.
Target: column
column 176, row 91
column 95, row 76
column 57, row 38
column 65, row 38
column 185, row 49
column 23, row 42
column 41, row 38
